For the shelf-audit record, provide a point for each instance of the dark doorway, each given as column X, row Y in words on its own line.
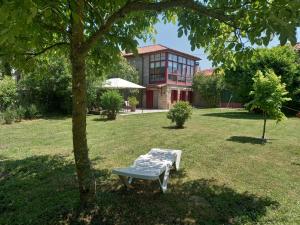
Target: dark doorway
column 190, row 97
column 182, row 96
column 174, row 95
column 149, row 99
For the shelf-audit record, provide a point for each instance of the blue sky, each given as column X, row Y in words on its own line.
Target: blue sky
column 167, row 35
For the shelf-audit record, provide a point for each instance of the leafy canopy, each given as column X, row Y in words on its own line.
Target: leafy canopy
column 269, row 94
column 221, row 27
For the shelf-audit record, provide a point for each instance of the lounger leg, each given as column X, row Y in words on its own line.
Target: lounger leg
column 164, row 183
column 130, row 179
column 125, row 182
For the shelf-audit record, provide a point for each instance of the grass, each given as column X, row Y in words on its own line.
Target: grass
column 228, row 176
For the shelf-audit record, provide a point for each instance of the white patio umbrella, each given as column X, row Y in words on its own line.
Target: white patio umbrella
column 118, row 83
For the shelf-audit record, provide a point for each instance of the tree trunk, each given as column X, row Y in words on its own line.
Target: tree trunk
column 264, row 129
column 84, row 171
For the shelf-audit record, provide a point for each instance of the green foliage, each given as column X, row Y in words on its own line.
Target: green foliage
column 47, row 84
column 218, row 26
column 93, row 92
column 268, row 96
column 209, row 88
column 133, row 102
column 180, row 112
column 284, row 61
column 20, row 113
column 31, row 112
column 8, row 93
column 112, row 102
column 9, row 116
column 122, row 69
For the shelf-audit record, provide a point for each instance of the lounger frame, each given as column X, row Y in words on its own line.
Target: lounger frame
column 127, row 175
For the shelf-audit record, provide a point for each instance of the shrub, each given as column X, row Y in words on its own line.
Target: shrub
column 47, row 85
column 8, row 93
column 31, row 112
column 209, row 88
column 111, row 101
column 20, row 113
column 9, row 116
column 180, row 112
column 133, row 102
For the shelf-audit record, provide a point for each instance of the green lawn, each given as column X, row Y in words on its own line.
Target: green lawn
column 227, row 176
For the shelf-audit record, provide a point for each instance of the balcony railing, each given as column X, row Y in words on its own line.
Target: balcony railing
column 178, row 78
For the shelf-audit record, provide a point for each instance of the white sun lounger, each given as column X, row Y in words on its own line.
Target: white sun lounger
column 155, row 165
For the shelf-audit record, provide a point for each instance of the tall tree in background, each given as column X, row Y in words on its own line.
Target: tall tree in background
column 283, row 60
column 98, row 29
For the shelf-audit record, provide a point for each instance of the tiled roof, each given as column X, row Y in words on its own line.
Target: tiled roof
column 157, row 48
column 207, row 72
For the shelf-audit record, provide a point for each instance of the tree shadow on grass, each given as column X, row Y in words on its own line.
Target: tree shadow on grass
column 250, row 140
column 235, row 115
column 101, row 119
column 56, row 116
column 43, row 190
column 245, row 139
column 173, row 127
column 202, row 201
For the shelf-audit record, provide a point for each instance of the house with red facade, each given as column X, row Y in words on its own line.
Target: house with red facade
column 166, row 73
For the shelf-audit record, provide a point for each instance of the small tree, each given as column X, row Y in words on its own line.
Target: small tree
column 268, row 95
column 112, row 102
column 180, row 112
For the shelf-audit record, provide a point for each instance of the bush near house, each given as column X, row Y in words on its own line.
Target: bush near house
column 210, row 88
column 111, row 102
column 180, row 112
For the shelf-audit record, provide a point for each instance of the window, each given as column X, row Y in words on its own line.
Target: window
column 157, row 67
column 180, row 59
column 175, row 67
column 180, row 68
column 157, row 57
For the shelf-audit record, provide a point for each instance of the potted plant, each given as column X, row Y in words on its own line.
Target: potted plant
column 133, row 102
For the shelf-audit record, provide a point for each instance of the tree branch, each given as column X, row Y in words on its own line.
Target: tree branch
column 139, row 5
column 33, row 54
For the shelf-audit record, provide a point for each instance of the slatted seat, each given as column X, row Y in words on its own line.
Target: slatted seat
column 156, row 164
